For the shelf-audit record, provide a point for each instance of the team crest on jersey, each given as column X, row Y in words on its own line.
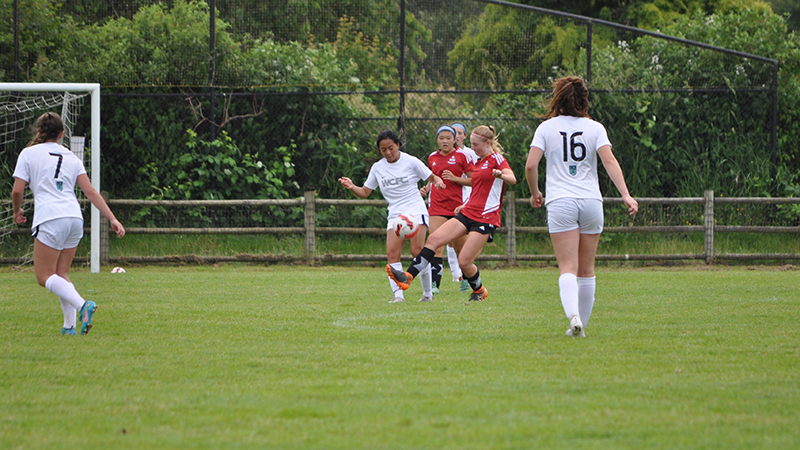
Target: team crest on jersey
column 485, row 165
column 573, row 170
column 452, row 160
column 60, row 185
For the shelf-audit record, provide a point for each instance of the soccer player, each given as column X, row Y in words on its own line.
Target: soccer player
column 454, row 167
column 398, row 175
column 571, row 142
column 52, row 172
column 477, row 220
column 452, row 257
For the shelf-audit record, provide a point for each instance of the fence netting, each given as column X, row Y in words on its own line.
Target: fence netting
column 276, row 98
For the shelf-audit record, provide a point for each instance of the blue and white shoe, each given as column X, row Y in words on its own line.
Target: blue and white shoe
column 87, row 311
column 69, row 331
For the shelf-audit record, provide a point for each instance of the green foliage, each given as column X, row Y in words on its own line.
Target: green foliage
column 218, row 170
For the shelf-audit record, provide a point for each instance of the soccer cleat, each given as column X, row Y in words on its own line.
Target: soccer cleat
column 87, row 311
column 456, row 278
column 403, row 279
column 69, row 331
column 479, row 295
column 426, row 298
column 571, row 334
column 575, row 325
column 464, row 286
column 397, row 300
column 435, row 289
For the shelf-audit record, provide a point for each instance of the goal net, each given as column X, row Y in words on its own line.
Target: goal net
column 20, row 105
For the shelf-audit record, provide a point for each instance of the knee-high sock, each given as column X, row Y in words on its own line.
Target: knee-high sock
column 423, row 258
column 436, row 271
column 64, row 290
column 70, row 313
column 586, row 288
column 395, row 288
column 568, row 289
column 426, row 281
column 452, row 262
column 475, row 281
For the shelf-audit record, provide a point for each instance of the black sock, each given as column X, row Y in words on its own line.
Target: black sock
column 420, row 261
column 475, row 281
column 436, row 271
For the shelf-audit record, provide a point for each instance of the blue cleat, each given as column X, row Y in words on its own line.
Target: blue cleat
column 87, row 311
column 69, row 331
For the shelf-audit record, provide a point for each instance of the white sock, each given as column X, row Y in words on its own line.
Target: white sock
column 64, row 290
column 452, row 262
column 426, row 280
column 568, row 289
column 586, row 288
column 70, row 313
column 395, row 288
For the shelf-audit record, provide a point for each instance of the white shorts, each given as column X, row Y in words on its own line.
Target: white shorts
column 422, row 219
column 567, row 214
column 61, row 233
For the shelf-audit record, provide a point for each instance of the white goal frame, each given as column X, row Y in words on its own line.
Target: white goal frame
column 94, row 90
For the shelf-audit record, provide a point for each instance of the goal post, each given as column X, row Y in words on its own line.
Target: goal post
column 94, row 90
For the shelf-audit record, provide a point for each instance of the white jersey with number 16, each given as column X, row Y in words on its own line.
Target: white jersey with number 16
column 570, row 146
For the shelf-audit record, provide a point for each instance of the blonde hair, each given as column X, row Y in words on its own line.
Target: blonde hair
column 488, row 132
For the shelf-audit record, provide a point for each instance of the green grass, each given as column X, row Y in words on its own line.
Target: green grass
column 294, row 357
column 527, row 244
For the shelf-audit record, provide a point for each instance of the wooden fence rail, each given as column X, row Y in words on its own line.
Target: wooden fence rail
column 309, row 202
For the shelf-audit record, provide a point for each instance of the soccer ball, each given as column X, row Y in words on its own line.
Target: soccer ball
column 117, row 270
column 405, row 226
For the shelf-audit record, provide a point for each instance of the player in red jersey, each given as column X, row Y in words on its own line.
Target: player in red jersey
column 454, row 167
column 477, row 220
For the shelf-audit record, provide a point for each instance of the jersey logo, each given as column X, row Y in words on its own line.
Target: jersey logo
column 393, row 181
column 452, row 160
column 573, row 169
column 60, row 185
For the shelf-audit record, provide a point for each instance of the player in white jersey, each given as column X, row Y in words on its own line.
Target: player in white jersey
column 571, row 142
column 397, row 175
column 52, row 172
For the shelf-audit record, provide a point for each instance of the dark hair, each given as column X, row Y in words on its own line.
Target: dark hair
column 48, row 127
column 388, row 134
column 570, row 98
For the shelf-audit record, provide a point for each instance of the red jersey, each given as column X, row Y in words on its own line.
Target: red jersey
column 445, row 201
column 487, row 191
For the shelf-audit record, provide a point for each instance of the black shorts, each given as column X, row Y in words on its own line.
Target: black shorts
column 478, row 227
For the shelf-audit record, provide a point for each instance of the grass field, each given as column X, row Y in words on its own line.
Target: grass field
column 296, row 357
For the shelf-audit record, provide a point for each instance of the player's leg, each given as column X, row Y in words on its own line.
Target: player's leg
column 457, row 244
column 587, row 251
column 436, row 262
column 394, row 249
column 466, row 260
column 565, row 246
column 591, row 225
column 452, row 263
column 417, row 243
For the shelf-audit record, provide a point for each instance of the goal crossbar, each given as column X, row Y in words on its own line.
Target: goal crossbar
column 94, row 90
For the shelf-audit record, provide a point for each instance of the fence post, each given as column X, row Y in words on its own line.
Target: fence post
column 104, row 238
column 310, row 220
column 709, row 226
column 511, row 226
